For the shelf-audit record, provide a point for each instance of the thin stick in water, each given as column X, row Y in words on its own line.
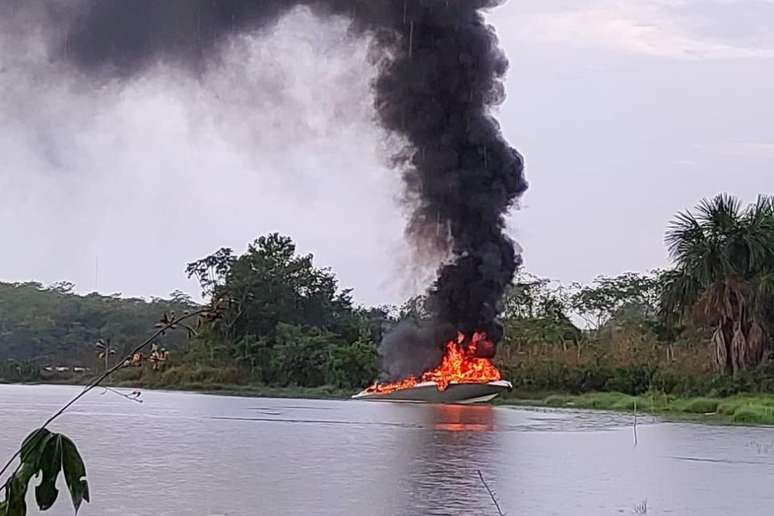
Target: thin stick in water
column 491, row 494
column 635, row 421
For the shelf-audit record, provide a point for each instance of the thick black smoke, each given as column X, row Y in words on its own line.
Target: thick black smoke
column 440, row 72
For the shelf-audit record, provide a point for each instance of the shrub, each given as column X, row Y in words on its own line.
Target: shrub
column 210, row 375
column 626, row 402
column 730, row 406
column 631, row 380
column 759, row 414
column 701, row 406
column 558, row 401
column 173, row 376
column 588, row 378
column 607, row 400
column 666, row 381
column 354, row 365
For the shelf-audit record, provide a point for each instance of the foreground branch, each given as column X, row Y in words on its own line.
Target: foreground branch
column 165, row 325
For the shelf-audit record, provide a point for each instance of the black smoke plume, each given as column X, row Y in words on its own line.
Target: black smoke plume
column 440, row 72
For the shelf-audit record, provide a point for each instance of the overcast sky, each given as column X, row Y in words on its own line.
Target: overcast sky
column 626, row 112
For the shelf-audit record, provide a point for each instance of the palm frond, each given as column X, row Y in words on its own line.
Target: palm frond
column 721, row 350
column 765, row 286
column 763, row 306
column 680, row 291
column 761, row 211
column 720, row 214
column 759, row 234
column 724, row 300
column 756, row 343
column 683, row 234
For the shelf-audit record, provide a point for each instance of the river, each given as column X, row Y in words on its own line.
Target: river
column 184, row 454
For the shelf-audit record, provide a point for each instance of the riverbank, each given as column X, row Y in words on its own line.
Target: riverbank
column 757, row 409
column 223, row 389
column 253, row 391
column 749, row 409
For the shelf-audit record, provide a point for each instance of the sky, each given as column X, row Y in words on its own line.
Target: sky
column 626, row 112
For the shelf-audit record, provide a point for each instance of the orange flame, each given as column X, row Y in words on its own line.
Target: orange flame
column 459, row 365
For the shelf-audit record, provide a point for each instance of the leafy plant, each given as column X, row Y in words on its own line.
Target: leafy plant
column 45, row 454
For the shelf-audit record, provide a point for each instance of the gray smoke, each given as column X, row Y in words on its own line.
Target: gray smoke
column 440, row 72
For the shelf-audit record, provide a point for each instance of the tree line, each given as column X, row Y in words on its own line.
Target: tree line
column 286, row 322
column 704, row 325
column 52, row 326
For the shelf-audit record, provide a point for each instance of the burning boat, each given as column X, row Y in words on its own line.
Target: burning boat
column 462, row 377
column 430, row 392
column 440, row 74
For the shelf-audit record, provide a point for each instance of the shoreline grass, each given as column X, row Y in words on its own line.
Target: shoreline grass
column 221, row 389
column 746, row 409
column 324, row 392
column 742, row 409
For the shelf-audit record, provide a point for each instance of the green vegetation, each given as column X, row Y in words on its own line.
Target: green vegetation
column 42, row 326
column 285, row 322
column 725, row 276
column 45, row 455
column 701, row 329
column 693, row 341
column 735, row 409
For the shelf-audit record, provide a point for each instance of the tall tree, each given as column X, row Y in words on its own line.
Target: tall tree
column 286, row 320
column 612, row 298
column 724, row 276
column 536, row 312
column 270, row 284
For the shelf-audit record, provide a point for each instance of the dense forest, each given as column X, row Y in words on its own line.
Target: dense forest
column 54, row 326
column 700, row 327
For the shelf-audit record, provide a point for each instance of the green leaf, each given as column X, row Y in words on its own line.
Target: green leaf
column 74, row 472
column 16, row 490
column 33, row 445
column 47, row 454
column 16, row 485
column 16, row 504
column 49, row 464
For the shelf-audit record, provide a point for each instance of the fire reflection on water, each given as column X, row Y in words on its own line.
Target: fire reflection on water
column 439, row 467
column 463, row 418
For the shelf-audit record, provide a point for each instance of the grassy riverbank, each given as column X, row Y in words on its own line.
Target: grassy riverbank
column 131, row 380
column 755, row 409
column 252, row 391
column 738, row 409
column 742, row 409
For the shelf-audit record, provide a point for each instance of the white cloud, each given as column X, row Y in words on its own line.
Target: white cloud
column 741, row 149
column 673, row 29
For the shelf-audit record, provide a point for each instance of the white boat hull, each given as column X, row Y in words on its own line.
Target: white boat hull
column 427, row 392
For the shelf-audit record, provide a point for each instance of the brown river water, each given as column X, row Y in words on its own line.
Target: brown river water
column 183, row 454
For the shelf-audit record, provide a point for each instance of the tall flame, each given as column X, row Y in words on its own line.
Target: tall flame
column 459, row 365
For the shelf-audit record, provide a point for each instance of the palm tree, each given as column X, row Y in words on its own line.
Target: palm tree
column 724, row 276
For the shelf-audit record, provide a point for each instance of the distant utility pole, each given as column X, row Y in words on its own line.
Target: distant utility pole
column 104, row 350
